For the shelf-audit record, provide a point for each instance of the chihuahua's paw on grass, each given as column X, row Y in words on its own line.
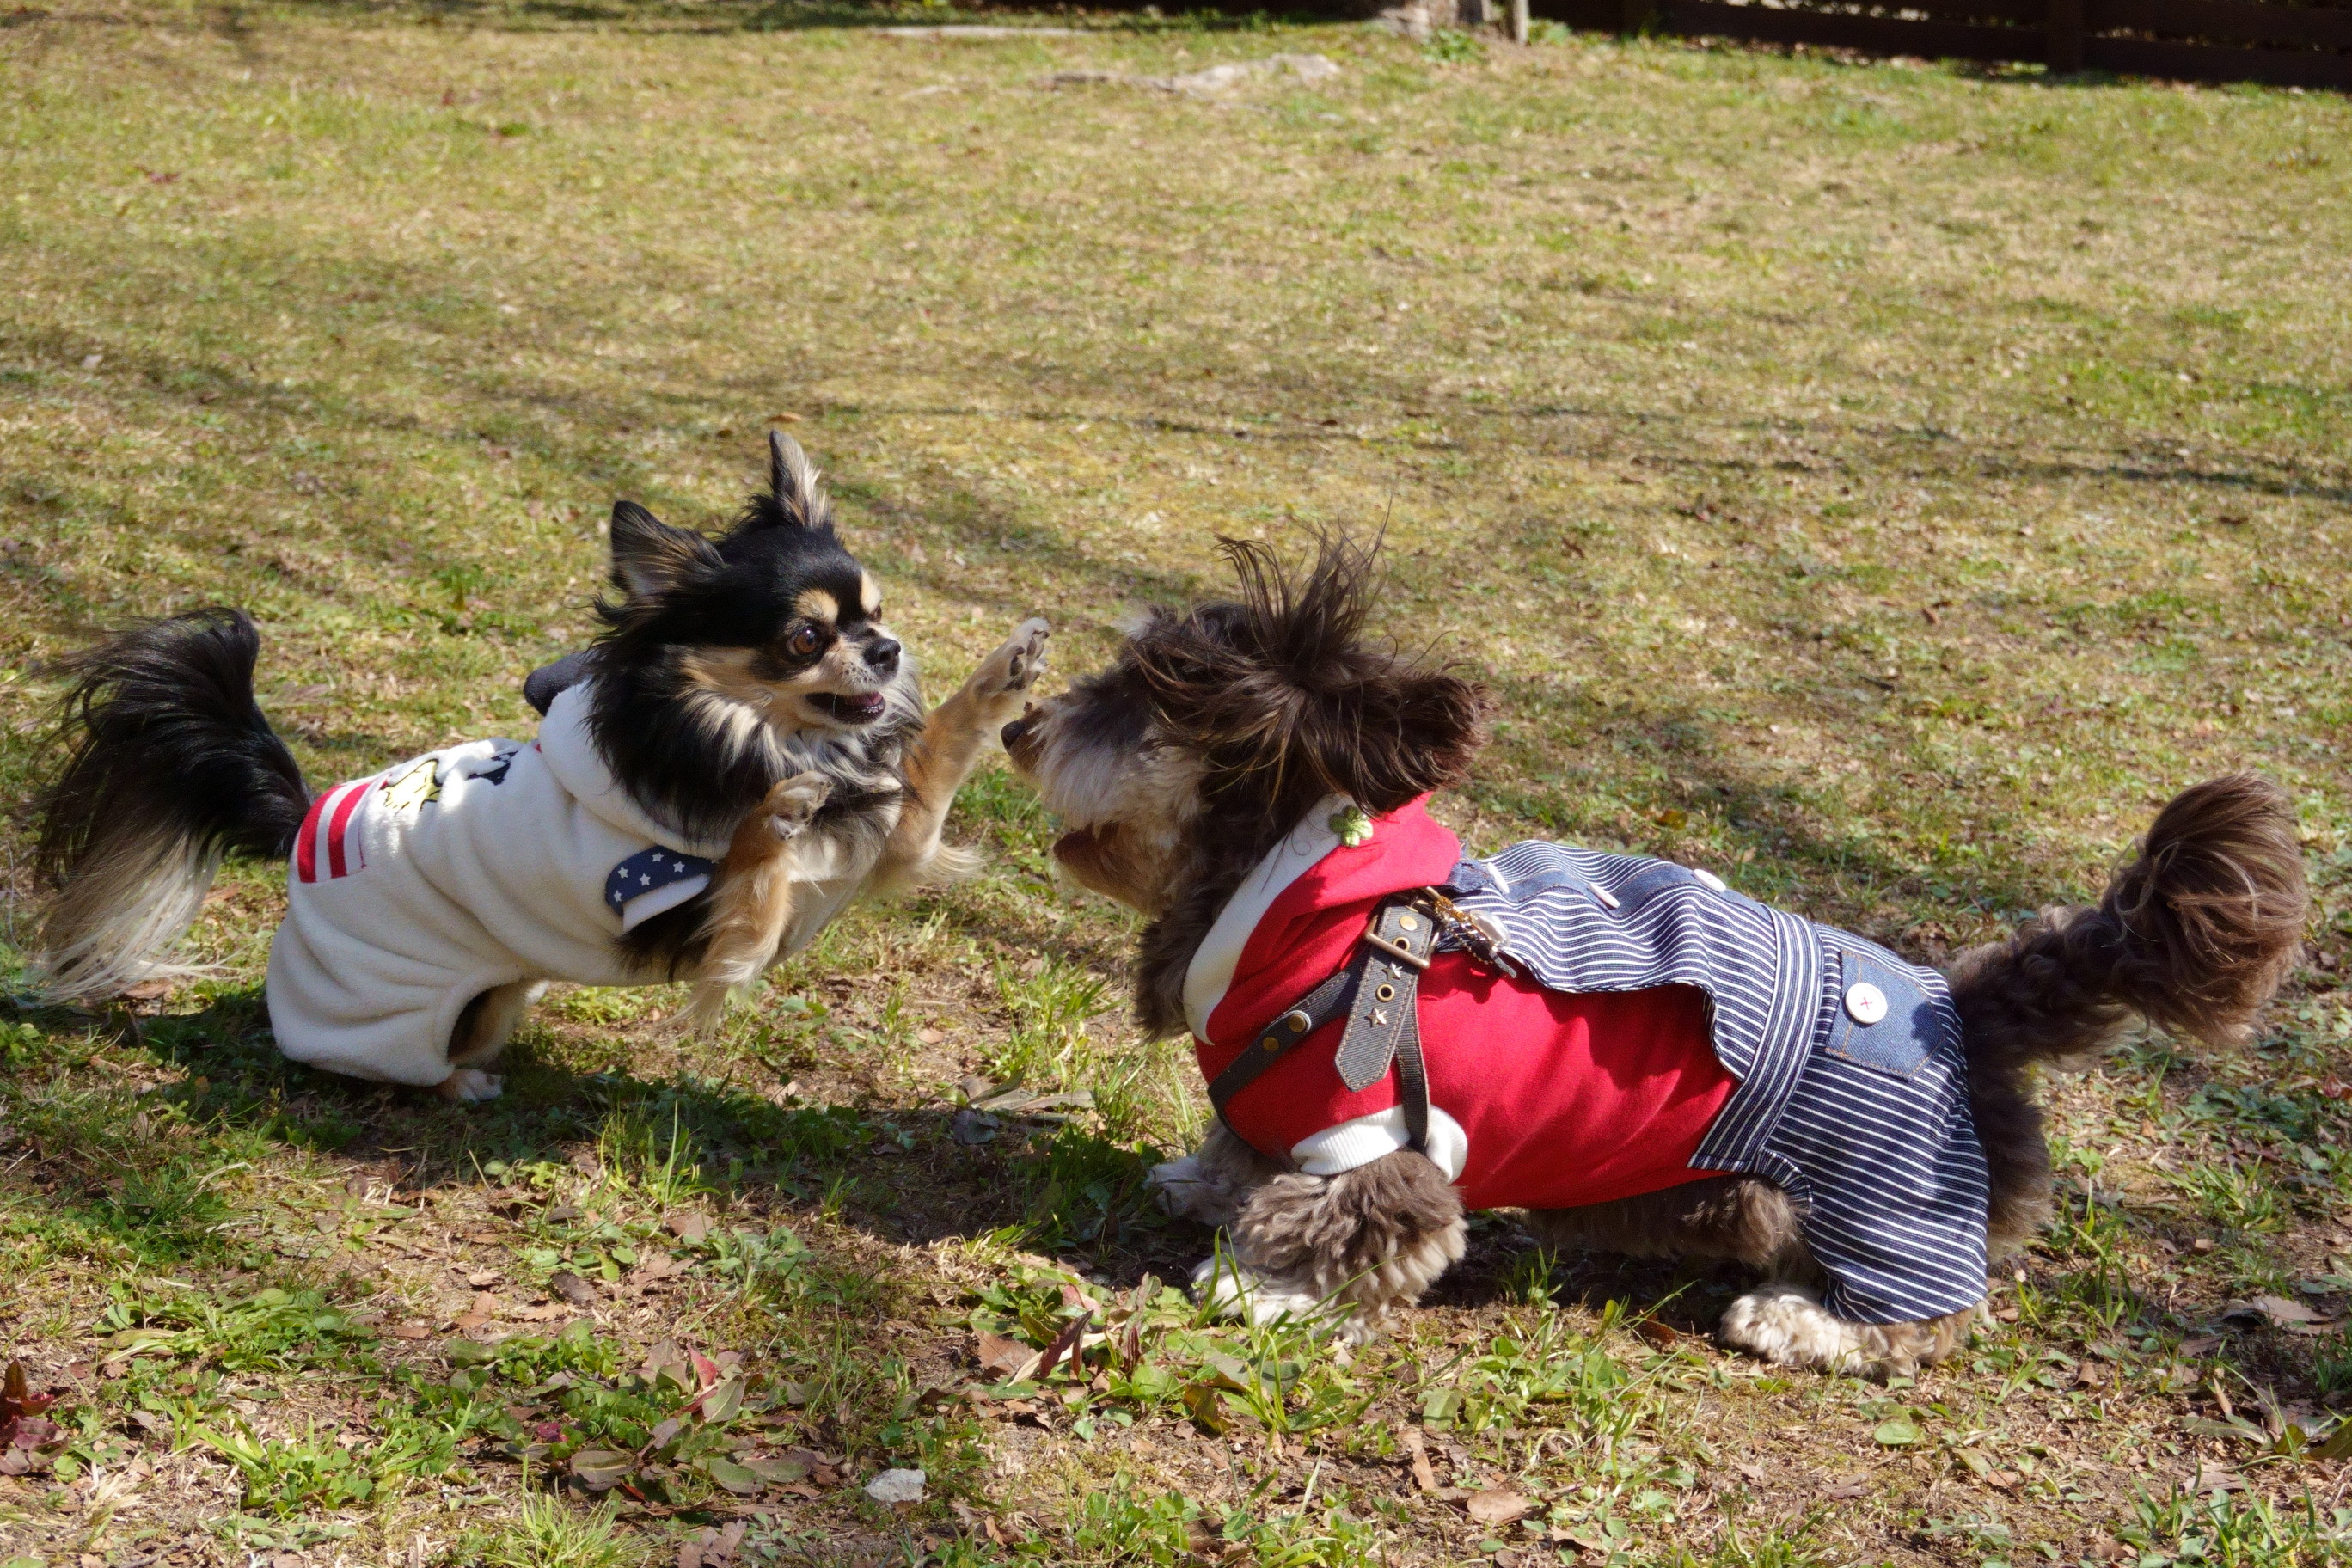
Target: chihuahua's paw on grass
column 470, row 1086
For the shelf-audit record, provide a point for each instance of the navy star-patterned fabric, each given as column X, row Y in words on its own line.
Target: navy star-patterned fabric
column 648, row 869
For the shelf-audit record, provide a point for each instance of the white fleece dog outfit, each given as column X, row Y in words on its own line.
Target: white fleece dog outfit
column 414, row 890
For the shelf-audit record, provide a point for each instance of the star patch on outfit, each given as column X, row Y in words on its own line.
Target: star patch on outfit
column 414, row 788
column 650, row 871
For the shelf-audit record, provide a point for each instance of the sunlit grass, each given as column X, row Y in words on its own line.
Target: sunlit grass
column 1882, row 484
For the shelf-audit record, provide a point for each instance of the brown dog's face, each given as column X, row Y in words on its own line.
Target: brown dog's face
column 1125, row 793
column 1217, row 727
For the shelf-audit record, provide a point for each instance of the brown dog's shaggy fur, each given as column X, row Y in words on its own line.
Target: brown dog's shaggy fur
column 1180, row 767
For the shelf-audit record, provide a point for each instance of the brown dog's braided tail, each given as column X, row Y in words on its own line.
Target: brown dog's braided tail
column 2194, row 935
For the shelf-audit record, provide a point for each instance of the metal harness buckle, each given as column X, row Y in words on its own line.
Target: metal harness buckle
column 1479, row 938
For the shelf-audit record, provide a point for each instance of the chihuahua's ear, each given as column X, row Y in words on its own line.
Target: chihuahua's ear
column 795, row 496
column 650, row 557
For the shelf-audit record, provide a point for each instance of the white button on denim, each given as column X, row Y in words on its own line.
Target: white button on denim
column 1865, row 1003
column 1709, row 879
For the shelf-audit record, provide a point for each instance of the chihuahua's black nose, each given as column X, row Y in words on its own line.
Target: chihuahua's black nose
column 883, row 655
column 1013, row 732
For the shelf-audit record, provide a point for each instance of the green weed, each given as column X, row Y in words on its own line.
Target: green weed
column 288, row 1476
column 270, row 1331
column 2234, row 1196
column 1452, row 46
column 2231, row 1531
column 1052, row 1006
column 549, row 1532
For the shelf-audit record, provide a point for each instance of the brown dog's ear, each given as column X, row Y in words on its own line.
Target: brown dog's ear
column 1287, row 697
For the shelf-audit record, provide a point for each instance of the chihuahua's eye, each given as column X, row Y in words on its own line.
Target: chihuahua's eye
column 805, row 641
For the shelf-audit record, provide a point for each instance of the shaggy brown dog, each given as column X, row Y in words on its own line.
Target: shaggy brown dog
column 1179, row 767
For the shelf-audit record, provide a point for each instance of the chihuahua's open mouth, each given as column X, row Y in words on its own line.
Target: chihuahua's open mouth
column 851, row 708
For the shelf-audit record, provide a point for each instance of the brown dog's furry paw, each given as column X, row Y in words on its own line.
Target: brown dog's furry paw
column 1187, row 1191
column 792, row 805
column 470, row 1086
column 1231, row 1289
column 1787, row 1324
column 1005, row 676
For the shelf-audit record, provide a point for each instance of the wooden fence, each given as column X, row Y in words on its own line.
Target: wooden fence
column 2195, row 41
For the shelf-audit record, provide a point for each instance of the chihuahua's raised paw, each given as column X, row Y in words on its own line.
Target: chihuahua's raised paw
column 792, row 803
column 1010, row 671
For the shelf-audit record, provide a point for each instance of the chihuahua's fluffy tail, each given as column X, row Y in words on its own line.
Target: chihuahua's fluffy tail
column 2194, row 935
column 168, row 765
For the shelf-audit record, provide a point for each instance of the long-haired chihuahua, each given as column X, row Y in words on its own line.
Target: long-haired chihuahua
column 746, row 751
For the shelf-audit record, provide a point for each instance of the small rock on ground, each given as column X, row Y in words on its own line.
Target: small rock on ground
column 897, row 1485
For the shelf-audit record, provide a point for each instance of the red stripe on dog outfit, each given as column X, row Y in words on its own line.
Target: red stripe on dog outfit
column 339, row 824
column 306, row 843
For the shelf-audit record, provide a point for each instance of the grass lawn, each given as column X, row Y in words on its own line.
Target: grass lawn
column 1881, row 484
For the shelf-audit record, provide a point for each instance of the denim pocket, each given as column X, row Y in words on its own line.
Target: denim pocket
column 1898, row 1042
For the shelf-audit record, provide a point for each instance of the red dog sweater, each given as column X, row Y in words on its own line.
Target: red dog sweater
column 1563, row 1098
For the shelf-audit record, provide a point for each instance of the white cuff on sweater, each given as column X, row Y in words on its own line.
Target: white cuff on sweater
column 1368, row 1138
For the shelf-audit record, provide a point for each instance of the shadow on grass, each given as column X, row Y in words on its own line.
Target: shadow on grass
column 122, row 1159
column 722, row 16
column 129, row 1160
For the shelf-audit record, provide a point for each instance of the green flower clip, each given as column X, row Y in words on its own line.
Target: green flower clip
column 1352, row 826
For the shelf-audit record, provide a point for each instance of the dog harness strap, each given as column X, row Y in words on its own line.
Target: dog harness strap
column 1284, row 1035
column 1377, row 994
column 1397, row 944
column 1384, row 1018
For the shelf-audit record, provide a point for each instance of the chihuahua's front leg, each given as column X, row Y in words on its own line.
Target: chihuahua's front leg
column 953, row 736
column 752, row 901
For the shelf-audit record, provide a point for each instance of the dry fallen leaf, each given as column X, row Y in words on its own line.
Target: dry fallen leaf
column 1851, row 1488
column 687, row 1225
column 1658, row 1333
column 2276, row 1309
column 1498, row 1507
column 2210, row 1476
column 1423, row 1476
column 1008, row 1360
column 572, row 1287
